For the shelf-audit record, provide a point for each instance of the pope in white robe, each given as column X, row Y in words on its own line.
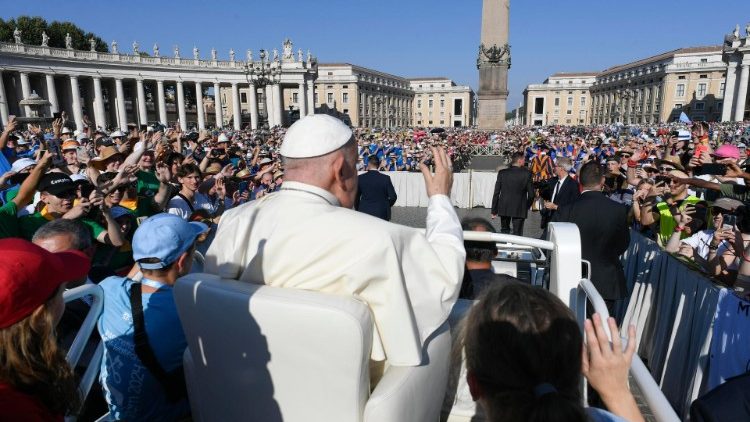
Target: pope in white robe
column 304, row 237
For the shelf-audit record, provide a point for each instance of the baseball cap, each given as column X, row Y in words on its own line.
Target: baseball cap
column 164, row 237
column 29, row 274
column 727, row 151
column 21, row 164
column 70, row 144
column 56, row 183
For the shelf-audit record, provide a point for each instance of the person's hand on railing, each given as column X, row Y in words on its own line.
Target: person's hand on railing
column 606, row 367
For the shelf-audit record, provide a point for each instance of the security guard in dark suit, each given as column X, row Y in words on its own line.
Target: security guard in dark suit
column 375, row 192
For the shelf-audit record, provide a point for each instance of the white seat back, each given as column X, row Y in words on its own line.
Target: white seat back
column 308, row 362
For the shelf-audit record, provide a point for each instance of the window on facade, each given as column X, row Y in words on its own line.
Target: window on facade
column 557, row 101
column 583, row 101
column 429, row 104
column 569, row 112
column 345, row 87
column 681, row 77
column 442, row 122
column 678, row 106
column 703, row 76
column 701, row 90
column 700, row 106
column 722, row 87
column 430, row 123
column 556, row 112
column 330, row 98
column 243, row 97
column 295, row 97
column 680, row 92
column 329, row 87
column 420, row 85
column 345, row 98
column 567, row 120
column 570, row 101
column 442, row 103
column 704, row 60
column 419, row 103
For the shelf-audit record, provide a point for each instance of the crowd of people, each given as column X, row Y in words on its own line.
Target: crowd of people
column 128, row 210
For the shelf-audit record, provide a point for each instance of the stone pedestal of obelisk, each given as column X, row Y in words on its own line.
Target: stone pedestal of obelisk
column 493, row 64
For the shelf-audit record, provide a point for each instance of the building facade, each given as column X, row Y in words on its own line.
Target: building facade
column 563, row 98
column 117, row 88
column 440, row 102
column 659, row 88
column 736, row 57
column 363, row 97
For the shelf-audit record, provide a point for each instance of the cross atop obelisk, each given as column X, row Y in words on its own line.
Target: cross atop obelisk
column 493, row 63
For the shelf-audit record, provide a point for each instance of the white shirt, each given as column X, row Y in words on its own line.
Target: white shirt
column 301, row 238
column 557, row 188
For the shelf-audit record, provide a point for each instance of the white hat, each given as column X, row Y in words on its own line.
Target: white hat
column 65, row 130
column 117, row 134
column 76, row 133
column 683, row 135
column 265, row 161
column 81, row 137
column 315, row 135
column 223, row 138
column 78, row 177
column 21, row 164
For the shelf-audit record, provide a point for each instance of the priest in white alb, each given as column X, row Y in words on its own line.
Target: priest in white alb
column 306, row 236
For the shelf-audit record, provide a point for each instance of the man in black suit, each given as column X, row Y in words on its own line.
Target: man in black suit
column 603, row 224
column 513, row 195
column 561, row 190
column 375, row 193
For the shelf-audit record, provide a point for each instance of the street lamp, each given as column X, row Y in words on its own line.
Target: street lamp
column 262, row 74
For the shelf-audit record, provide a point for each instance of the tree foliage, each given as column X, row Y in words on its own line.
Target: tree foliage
column 31, row 28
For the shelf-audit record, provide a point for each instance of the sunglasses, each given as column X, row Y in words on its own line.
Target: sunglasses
column 716, row 211
column 664, row 168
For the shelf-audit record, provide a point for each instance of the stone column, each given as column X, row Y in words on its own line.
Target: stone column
column 162, row 102
column 253, row 106
column 739, row 108
column 52, row 94
column 181, row 106
column 99, row 118
column 270, row 106
column 122, row 116
column 25, row 91
column 302, row 100
column 142, row 113
column 75, row 95
column 278, row 103
column 310, row 97
column 729, row 88
column 3, row 102
column 199, row 105
column 493, row 69
column 217, row 106
column 236, row 108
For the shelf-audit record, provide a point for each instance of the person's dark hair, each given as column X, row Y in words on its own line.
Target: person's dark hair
column 188, row 169
column 373, row 164
column 478, row 251
column 743, row 218
column 173, row 157
column 80, row 233
column 517, row 338
column 32, row 362
column 105, row 177
column 516, row 157
column 590, row 174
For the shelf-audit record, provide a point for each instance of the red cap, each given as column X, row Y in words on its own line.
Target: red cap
column 29, row 274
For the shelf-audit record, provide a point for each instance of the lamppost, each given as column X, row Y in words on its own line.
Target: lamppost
column 262, row 74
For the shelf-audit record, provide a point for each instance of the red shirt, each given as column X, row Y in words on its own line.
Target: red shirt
column 21, row 407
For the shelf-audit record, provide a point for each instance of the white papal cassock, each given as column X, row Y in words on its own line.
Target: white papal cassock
column 300, row 237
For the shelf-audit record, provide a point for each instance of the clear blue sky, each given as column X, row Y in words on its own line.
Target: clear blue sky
column 409, row 37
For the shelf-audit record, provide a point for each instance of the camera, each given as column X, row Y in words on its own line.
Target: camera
column 217, row 152
column 192, row 136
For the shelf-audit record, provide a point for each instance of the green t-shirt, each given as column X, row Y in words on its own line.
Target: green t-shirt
column 145, row 207
column 9, row 226
column 148, row 184
column 29, row 224
column 734, row 191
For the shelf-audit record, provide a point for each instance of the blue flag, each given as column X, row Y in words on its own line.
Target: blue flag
column 684, row 118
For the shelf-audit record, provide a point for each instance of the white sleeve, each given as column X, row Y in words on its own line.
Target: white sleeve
column 442, row 222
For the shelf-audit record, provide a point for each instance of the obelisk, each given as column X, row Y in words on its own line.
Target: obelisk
column 493, row 63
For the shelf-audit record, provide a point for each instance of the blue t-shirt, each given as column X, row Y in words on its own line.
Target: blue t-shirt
column 131, row 391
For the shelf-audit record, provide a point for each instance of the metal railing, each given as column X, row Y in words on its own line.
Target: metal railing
column 96, row 294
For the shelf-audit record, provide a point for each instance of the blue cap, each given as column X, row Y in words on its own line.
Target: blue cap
column 165, row 237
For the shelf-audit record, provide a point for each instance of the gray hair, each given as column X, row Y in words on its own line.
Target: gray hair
column 565, row 162
column 79, row 232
